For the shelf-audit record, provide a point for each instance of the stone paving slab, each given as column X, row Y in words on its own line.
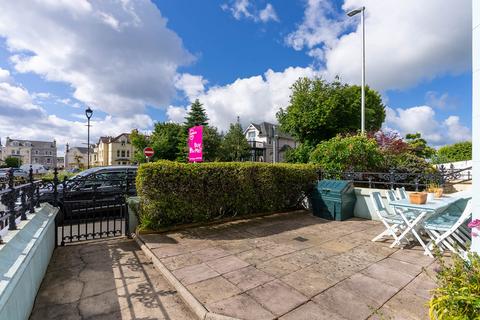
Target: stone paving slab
column 294, row 266
column 105, row 280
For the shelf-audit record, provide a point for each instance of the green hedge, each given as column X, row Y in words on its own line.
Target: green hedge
column 178, row 193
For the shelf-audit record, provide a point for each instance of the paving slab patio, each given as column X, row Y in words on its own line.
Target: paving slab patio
column 106, row 280
column 296, row 266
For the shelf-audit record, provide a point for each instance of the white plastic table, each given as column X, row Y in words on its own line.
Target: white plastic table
column 424, row 211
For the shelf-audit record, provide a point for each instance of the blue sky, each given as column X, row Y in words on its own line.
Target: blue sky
column 144, row 61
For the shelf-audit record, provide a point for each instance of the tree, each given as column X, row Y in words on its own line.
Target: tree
column 140, row 142
column 390, row 142
column 461, row 151
column 165, row 139
column 418, row 146
column 78, row 159
column 320, row 110
column 197, row 115
column 13, row 162
column 300, row 154
column 349, row 153
column 234, row 146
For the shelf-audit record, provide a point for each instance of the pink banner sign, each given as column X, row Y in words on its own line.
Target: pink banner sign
column 195, row 144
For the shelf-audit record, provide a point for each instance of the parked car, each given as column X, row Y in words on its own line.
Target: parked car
column 18, row 173
column 37, row 168
column 96, row 189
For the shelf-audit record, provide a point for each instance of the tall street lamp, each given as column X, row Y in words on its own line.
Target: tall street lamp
column 351, row 14
column 88, row 113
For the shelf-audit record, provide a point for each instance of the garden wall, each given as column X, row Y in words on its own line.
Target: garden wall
column 24, row 258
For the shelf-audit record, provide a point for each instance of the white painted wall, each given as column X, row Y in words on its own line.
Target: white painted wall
column 476, row 115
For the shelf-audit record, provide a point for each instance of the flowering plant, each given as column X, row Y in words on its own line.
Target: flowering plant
column 474, row 224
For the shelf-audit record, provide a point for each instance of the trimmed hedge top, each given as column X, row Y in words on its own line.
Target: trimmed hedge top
column 178, row 193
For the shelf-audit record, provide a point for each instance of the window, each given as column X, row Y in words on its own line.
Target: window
column 48, row 160
column 36, row 151
column 128, row 153
column 13, row 151
column 123, row 153
column 18, row 152
column 35, row 159
column 251, row 135
column 118, row 153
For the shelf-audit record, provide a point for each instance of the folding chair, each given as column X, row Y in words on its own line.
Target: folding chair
column 402, row 193
column 448, row 229
column 392, row 222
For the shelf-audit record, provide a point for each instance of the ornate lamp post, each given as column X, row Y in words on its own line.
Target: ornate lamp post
column 88, row 114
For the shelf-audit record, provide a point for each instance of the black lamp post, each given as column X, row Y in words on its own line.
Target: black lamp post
column 88, row 113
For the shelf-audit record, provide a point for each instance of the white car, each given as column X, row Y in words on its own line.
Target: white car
column 37, row 168
column 18, row 173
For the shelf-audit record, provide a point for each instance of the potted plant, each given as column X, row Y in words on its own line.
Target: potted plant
column 434, row 191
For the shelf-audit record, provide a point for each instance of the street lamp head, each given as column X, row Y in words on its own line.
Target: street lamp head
column 355, row 11
column 88, row 113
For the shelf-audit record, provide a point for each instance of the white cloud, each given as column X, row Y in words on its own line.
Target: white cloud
column 191, row 85
column 268, row 14
column 423, row 119
column 257, row 98
column 406, row 42
column 117, row 56
column 244, row 9
column 4, row 75
column 440, row 101
column 176, row 114
column 22, row 118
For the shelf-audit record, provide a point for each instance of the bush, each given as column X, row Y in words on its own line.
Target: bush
column 350, row 153
column 61, row 174
column 461, row 151
column 458, row 292
column 300, row 154
column 178, row 193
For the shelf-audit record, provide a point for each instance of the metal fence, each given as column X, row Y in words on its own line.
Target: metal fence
column 392, row 179
column 90, row 207
column 16, row 199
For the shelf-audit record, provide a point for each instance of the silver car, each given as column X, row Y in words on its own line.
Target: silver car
column 17, row 173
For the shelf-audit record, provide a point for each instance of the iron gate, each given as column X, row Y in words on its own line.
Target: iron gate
column 93, row 208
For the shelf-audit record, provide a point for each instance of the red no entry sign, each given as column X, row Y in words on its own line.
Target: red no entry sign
column 148, row 152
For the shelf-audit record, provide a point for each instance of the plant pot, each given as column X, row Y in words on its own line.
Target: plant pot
column 438, row 193
column 430, row 196
column 418, row 197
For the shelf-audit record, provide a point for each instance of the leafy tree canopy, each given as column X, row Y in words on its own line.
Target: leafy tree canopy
column 418, row 146
column 197, row 116
column 235, row 146
column 13, row 162
column 350, row 153
column 319, row 110
column 460, row 151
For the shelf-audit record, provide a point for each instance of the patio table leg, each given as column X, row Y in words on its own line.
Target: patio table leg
column 411, row 229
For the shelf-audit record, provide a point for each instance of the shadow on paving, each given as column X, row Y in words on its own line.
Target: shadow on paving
column 105, row 280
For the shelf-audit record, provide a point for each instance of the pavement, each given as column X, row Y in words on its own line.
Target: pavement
column 293, row 266
column 110, row 279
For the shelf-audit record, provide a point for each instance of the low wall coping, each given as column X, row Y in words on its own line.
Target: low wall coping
column 17, row 258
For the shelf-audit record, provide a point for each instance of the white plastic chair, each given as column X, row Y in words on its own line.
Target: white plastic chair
column 448, row 229
column 393, row 222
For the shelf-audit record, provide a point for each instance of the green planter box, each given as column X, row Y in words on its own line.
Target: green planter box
column 333, row 199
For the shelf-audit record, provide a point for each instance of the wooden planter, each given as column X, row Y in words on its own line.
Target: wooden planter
column 418, row 197
column 438, row 193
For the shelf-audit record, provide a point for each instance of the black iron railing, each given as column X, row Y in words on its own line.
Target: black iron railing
column 393, row 179
column 16, row 199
